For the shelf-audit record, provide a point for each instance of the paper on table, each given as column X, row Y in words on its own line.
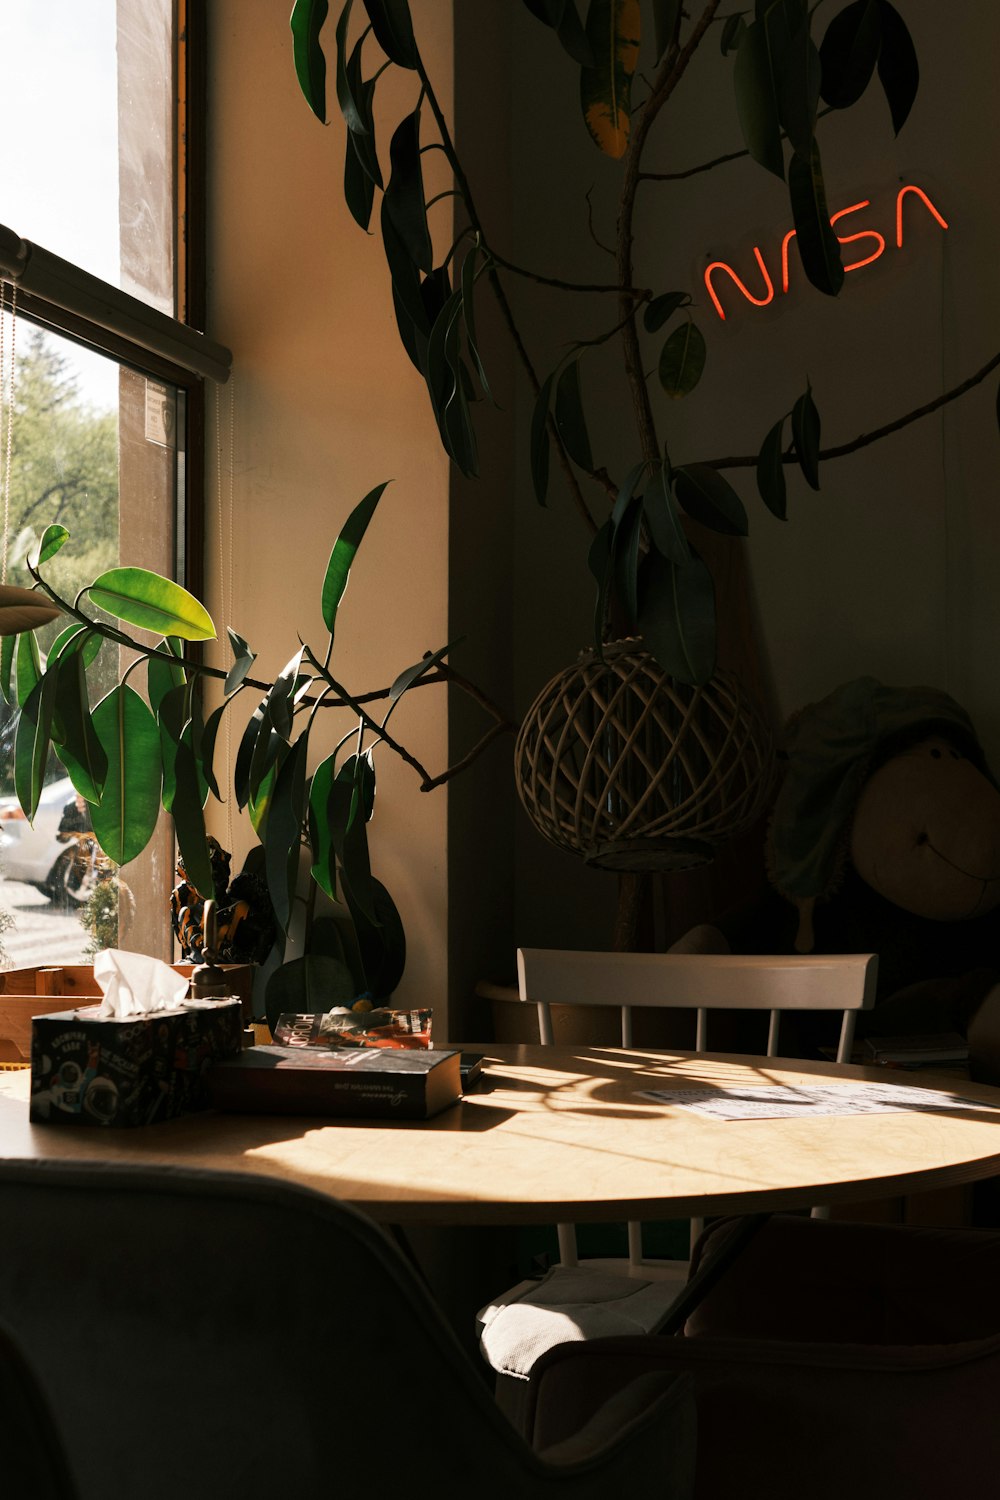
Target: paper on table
column 784, row 1101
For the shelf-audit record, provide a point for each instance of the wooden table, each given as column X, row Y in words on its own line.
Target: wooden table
column 559, row 1134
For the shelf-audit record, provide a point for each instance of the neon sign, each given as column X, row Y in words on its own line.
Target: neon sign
column 872, row 236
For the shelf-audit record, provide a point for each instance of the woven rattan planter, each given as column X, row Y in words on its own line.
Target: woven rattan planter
column 619, row 763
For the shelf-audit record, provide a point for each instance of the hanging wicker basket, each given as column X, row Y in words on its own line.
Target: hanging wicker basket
column 617, row 762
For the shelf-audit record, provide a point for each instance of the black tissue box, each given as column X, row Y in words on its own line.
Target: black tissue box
column 92, row 1070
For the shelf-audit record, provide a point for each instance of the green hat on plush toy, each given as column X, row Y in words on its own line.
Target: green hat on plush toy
column 832, row 748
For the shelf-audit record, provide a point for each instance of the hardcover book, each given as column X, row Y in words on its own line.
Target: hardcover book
column 360, row 1082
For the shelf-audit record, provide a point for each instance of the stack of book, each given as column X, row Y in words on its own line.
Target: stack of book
column 948, row 1050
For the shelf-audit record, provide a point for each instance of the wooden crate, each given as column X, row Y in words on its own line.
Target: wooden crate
column 25, row 993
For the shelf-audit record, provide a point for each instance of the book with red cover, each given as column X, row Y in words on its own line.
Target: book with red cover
column 354, row 1082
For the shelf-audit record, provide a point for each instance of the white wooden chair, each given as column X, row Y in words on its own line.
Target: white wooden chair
column 600, row 1297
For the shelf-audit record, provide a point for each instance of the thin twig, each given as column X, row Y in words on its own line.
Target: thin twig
column 717, row 161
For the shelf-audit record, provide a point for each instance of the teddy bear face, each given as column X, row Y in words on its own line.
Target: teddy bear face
column 926, row 833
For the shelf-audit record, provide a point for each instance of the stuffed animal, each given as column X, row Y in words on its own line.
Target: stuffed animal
column 885, row 838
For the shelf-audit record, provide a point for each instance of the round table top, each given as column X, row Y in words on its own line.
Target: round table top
column 563, row 1134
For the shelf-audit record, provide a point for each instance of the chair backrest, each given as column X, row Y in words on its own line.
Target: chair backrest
column 201, row 1334
column 702, row 982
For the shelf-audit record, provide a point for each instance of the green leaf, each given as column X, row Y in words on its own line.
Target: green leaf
column 282, row 696
column 162, row 677
column 308, row 986
column 677, row 617
column 76, row 637
column 189, row 820
column 364, row 141
column 710, row 499
column 571, row 423
column 153, row 603
column 682, row 361
column 243, row 660
column 663, row 518
column 284, row 829
column 31, row 743
column 324, row 867
column 540, row 438
column 209, row 736
column 393, row 30
column 663, row 307
column 599, row 562
column 898, row 69
column 8, row 645
column 244, row 755
column 382, row 943
column 771, row 472
column 805, row 436
column 666, row 14
column 819, row 248
column 469, row 315
column 310, row 65
column 126, row 815
column 613, row 31
column 171, row 718
column 53, row 538
column 563, row 17
column 732, row 33
column 359, row 189
column 849, row 52
column 28, row 668
column 262, row 791
column 404, row 194
column 347, row 98
column 755, row 99
column 80, row 750
column 625, row 545
column 355, row 862
column 413, row 674
column 338, row 569
column 798, row 81
column 406, row 282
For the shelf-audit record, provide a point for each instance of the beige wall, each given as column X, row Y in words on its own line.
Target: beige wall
column 326, row 406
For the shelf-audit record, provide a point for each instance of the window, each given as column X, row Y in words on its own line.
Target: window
column 102, row 374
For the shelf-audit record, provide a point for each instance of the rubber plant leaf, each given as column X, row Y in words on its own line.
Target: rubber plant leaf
column 284, row 830
column 682, row 360
column 80, row 750
column 393, row 30
column 126, row 815
column 152, row 602
column 348, row 93
column 364, row 141
column 24, row 609
column 571, row 423
column 413, row 674
column 243, row 660
column 359, row 189
column 661, row 308
column 898, row 69
column 710, row 499
column 28, row 666
column 324, row 867
column 53, row 537
column 77, row 637
column 599, row 563
column 625, row 549
column 163, row 676
column 171, row 719
column 677, row 617
column 382, row 943
column 819, row 248
column 282, row 696
column 244, row 754
column 540, row 438
column 310, row 65
column 563, row 17
column 259, row 805
column 404, row 193
column 756, row 104
column 798, row 83
column 805, row 436
column 308, row 986
column 732, row 33
column 355, row 861
column 8, row 645
column 189, row 820
column 771, row 472
column 848, row 53
column 31, row 743
column 406, row 283
column 613, row 31
column 209, row 736
column 469, row 316
column 338, row 569
column 666, row 14
column 663, row 518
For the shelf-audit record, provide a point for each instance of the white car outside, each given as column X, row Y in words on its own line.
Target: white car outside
column 31, row 852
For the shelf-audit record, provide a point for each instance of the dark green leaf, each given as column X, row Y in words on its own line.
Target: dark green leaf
column 348, row 88
column 625, row 557
column 413, row 674
column 31, row 742
column 613, row 31
column 310, row 65
column 153, row 603
column 80, row 750
column 849, row 52
column 805, row 436
column 8, row 645
column 540, row 438
column 364, row 144
column 382, row 943
column 282, row 696
column 308, row 986
column 406, row 283
column 244, row 755
column 755, row 99
column 571, row 422
column 243, row 660
column 355, row 863
column 393, row 30
column 682, row 360
column 163, row 677
column 209, row 736
column 262, row 790
column 469, row 315
column 898, row 69
column 284, row 831
column 53, row 538
column 77, row 637
column 710, row 499
column 404, row 193
column 732, row 33
column 798, row 79
column 677, row 617
column 28, row 669
column 338, row 569
column 321, row 814
column 666, row 14
column 663, row 519
column 819, row 248
column 624, row 496
column 663, row 307
column 573, row 37
column 771, row 472
column 189, row 820
column 599, row 563
column 125, row 817
column 171, row 718
column 359, row 189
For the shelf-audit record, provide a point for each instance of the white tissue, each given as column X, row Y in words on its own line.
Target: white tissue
column 133, row 984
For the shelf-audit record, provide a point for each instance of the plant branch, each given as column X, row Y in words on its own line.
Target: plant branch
column 717, row 161
column 640, row 294
column 864, row 439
